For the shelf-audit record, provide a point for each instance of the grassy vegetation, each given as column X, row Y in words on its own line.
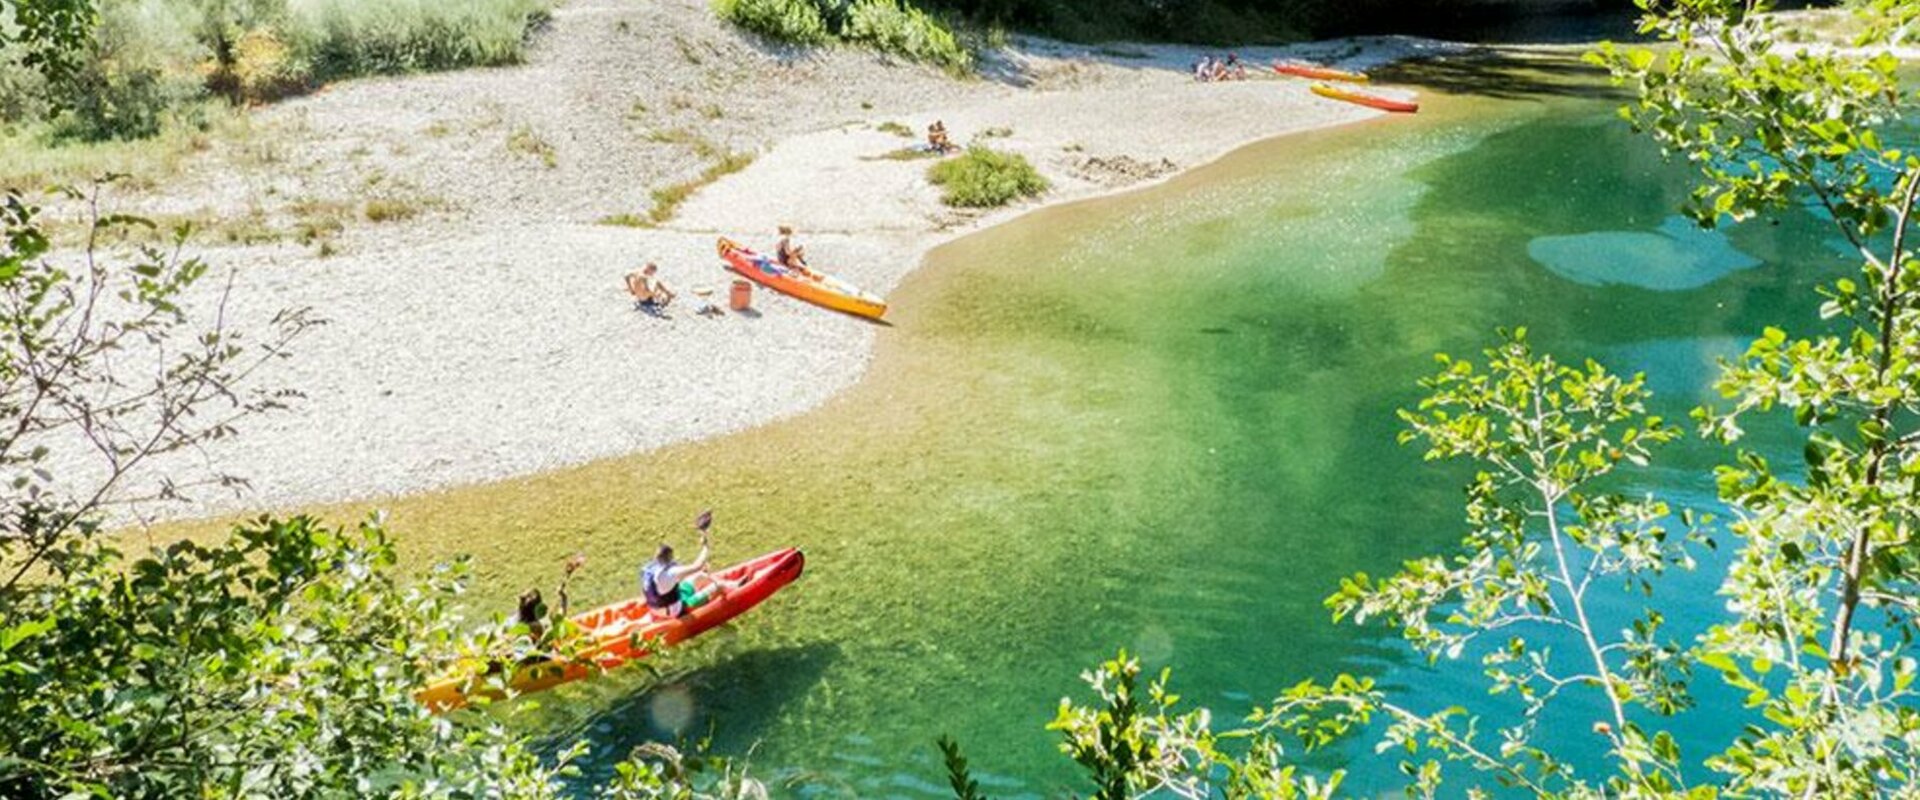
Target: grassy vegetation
column 155, row 62
column 895, row 128
column 624, row 221
column 667, row 199
column 985, row 178
column 525, row 141
column 909, row 154
column 890, row 26
column 390, row 209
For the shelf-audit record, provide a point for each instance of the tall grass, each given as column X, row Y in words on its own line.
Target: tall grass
column 153, row 59
column 341, row 38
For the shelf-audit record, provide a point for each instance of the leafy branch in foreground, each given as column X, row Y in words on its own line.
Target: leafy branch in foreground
column 1542, row 540
column 104, row 368
column 1823, row 589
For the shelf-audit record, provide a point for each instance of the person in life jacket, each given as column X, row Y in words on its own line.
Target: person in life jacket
column 668, row 585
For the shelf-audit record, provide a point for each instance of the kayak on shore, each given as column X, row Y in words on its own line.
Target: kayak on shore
column 1366, row 99
column 1301, row 69
column 814, row 287
column 613, row 635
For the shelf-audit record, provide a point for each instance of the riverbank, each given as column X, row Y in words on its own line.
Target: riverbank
column 481, row 332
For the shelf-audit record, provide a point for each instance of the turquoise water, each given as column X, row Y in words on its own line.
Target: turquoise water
column 1164, row 421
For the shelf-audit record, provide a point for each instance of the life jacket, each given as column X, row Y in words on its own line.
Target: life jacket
column 657, row 599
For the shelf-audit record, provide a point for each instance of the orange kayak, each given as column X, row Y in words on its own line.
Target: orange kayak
column 819, row 289
column 1301, row 69
column 622, row 632
column 1366, row 99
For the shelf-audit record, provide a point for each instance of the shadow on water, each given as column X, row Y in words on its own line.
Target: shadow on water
column 731, row 696
column 1507, row 76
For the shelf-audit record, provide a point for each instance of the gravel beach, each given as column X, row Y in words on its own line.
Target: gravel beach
column 488, row 335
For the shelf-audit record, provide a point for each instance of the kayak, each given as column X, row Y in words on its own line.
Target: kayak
column 819, row 289
column 1366, row 99
column 616, row 634
column 1315, row 71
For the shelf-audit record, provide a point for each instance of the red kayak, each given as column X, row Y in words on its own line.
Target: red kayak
column 614, row 635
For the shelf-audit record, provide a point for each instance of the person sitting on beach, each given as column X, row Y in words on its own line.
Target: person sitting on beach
column 790, row 255
column 937, row 139
column 1235, row 68
column 649, row 292
column 1203, row 69
column 668, row 585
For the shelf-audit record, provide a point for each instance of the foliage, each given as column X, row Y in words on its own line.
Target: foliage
column 1542, row 541
column 661, row 772
column 1821, row 590
column 277, row 662
column 795, row 21
column 139, row 71
column 102, row 369
column 281, row 661
column 358, row 37
column 144, row 61
column 50, row 35
column 889, row 26
column 986, row 178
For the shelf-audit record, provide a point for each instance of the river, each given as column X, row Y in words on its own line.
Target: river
column 1164, row 421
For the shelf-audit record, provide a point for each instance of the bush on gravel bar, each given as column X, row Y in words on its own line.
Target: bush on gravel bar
column 985, row 178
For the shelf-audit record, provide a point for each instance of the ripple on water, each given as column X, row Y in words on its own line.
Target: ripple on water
column 1676, row 256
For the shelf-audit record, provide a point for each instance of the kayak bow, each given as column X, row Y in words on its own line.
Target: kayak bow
column 817, row 288
column 613, row 635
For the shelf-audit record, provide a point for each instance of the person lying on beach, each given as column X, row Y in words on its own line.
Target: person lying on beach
column 937, row 138
column 668, row 585
column 649, row 292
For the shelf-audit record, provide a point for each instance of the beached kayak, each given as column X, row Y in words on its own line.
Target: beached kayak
column 1315, row 71
column 624, row 631
column 819, row 289
column 1366, row 99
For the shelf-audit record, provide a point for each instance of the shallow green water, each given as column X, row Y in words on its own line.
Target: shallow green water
column 1164, row 421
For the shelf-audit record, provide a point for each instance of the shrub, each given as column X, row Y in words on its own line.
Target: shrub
column 141, row 69
column 985, row 178
column 796, row 21
column 265, row 68
column 890, row 27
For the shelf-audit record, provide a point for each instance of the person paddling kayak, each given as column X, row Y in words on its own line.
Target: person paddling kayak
column 668, row 585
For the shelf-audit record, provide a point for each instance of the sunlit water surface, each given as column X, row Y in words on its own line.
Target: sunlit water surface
column 1164, row 421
